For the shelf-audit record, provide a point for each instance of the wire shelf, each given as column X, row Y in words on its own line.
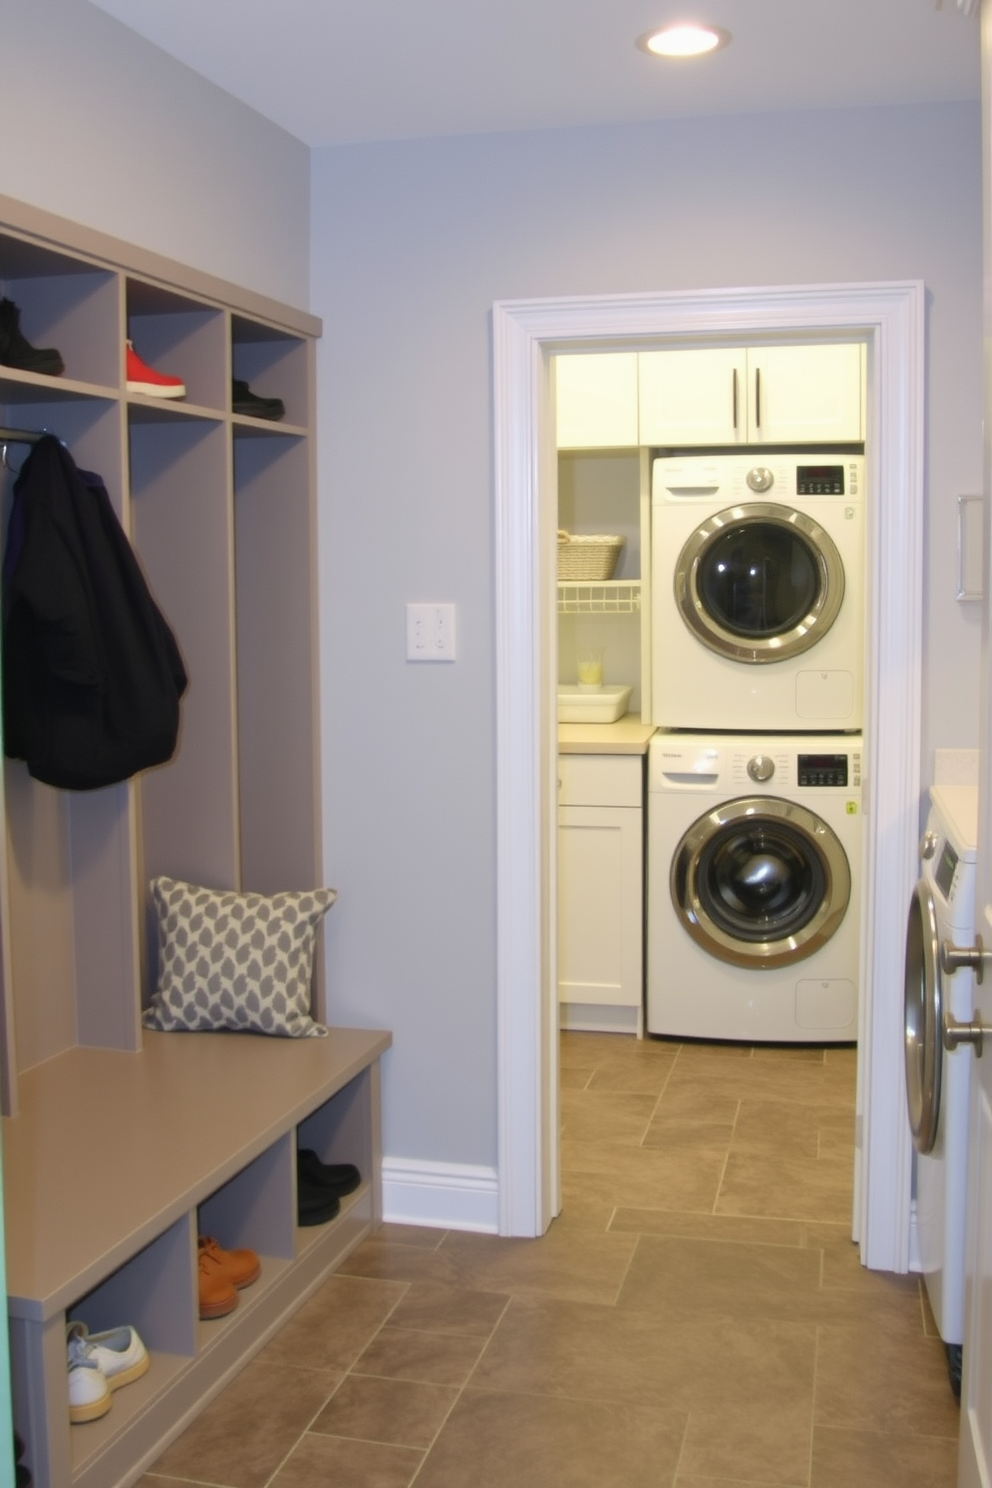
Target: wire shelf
column 608, row 597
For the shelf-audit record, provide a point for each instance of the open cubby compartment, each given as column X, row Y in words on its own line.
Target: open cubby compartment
column 68, row 303
column 278, row 767
column 89, row 427
column 181, row 529
column 274, row 364
column 345, row 1130
column 181, row 337
column 154, row 1292
column 255, row 1207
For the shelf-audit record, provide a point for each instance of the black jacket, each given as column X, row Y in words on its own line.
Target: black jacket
column 92, row 675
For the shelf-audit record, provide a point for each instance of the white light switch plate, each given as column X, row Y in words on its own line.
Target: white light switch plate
column 430, row 632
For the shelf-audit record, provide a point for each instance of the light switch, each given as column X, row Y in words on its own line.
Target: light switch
column 430, row 632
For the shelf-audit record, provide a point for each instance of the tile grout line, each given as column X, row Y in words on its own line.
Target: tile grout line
column 459, row 1393
column 726, row 1160
column 346, row 1374
column 812, row 1408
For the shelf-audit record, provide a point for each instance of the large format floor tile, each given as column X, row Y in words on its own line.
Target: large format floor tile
column 697, row 1317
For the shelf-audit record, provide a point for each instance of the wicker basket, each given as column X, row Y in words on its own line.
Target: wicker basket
column 589, row 558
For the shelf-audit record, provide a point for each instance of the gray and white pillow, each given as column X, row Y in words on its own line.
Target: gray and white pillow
column 236, row 961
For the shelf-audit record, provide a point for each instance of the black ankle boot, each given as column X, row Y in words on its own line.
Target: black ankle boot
column 15, row 351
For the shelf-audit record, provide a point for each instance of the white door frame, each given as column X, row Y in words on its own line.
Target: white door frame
column 526, row 334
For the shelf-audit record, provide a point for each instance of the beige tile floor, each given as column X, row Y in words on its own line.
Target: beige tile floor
column 696, row 1317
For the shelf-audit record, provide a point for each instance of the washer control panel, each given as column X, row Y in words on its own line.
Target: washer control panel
column 829, row 769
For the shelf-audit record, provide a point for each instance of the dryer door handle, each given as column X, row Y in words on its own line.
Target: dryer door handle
column 970, row 958
column 956, row 1034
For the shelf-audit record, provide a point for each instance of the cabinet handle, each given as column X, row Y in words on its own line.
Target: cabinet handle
column 757, row 397
column 735, row 399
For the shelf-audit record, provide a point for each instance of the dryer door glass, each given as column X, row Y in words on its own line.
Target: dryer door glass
column 923, row 1000
column 760, row 882
column 759, row 583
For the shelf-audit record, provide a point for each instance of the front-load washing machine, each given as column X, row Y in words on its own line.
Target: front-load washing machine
column 941, row 909
column 758, row 591
column 753, row 889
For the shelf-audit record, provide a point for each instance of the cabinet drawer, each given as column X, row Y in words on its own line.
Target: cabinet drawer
column 600, row 780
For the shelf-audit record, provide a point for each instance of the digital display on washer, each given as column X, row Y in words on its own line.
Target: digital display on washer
column 820, row 480
column 944, row 876
column 823, row 769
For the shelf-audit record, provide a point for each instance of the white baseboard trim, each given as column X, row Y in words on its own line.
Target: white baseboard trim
column 449, row 1196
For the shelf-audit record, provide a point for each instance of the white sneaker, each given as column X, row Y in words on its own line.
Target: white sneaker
column 119, row 1353
column 89, row 1393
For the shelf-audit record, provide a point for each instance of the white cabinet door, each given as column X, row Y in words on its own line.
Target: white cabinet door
column 765, row 395
column 805, row 394
column 692, row 397
column 597, row 400
column 600, row 904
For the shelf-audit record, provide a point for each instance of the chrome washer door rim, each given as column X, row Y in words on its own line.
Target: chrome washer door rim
column 810, row 628
column 923, row 1002
column 809, row 833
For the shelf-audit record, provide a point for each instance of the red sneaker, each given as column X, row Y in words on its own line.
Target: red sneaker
column 144, row 379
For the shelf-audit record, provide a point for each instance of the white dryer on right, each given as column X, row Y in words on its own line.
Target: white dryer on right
column 937, row 1083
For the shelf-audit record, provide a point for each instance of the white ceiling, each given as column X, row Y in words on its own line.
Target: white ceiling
column 341, row 71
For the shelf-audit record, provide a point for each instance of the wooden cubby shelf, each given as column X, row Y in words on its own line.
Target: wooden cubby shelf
column 121, row 1145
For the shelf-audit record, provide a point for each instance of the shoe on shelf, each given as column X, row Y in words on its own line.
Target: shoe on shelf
column 241, row 1267
column 22, row 1473
column 315, row 1206
column 144, row 379
column 243, row 400
column 89, row 1392
column 15, row 351
column 218, row 1295
column 338, row 1178
column 120, row 1354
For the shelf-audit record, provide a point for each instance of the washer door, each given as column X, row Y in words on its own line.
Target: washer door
column 760, row 882
column 924, row 997
column 759, row 583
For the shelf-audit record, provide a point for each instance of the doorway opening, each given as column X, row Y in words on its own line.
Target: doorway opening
column 526, row 335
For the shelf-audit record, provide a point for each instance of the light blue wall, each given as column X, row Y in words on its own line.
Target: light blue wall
column 412, row 242
column 100, row 126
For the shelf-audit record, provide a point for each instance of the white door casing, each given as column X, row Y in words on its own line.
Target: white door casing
column 526, row 336
column 975, row 1441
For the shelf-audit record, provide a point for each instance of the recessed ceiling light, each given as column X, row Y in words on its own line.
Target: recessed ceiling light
column 687, row 39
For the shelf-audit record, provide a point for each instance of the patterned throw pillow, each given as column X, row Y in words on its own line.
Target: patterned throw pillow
column 241, row 961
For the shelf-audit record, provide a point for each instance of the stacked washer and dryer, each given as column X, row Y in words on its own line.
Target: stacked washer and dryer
column 754, row 779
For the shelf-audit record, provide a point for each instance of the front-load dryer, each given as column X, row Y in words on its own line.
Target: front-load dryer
column 754, row 886
column 942, row 908
column 758, row 577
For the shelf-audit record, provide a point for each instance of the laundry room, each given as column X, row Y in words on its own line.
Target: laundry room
column 713, row 502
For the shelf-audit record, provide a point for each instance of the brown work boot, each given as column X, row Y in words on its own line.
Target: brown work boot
column 217, row 1293
column 241, row 1267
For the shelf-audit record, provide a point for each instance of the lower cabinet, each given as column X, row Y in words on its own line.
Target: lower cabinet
column 195, row 1135
column 601, row 893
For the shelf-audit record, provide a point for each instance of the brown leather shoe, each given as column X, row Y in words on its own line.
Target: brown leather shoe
column 241, row 1267
column 217, row 1293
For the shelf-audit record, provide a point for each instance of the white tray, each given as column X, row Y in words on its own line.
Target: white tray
column 605, row 706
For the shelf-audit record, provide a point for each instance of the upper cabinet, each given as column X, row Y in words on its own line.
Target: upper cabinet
column 712, row 396
column 597, row 401
column 759, row 395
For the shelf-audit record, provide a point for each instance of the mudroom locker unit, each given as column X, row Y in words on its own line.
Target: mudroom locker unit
column 120, row 1143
